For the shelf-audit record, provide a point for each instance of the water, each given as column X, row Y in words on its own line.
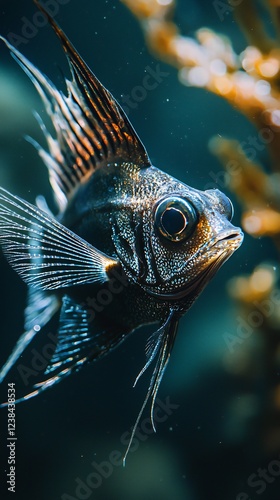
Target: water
column 70, row 440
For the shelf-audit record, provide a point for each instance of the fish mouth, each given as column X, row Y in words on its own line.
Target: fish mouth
column 234, row 237
column 220, row 249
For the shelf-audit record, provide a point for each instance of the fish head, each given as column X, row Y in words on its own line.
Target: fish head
column 186, row 235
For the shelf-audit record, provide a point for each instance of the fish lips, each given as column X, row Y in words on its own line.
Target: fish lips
column 228, row 240
column 219, row 250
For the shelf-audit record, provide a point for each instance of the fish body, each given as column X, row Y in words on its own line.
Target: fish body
column 123, row 225
column 130, row 245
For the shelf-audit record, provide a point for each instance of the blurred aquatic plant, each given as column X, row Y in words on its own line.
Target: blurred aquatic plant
column 250, row 82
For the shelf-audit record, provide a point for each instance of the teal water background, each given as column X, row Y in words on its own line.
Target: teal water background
column 211, row 442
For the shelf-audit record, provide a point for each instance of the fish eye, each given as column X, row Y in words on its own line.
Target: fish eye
column 175, row 218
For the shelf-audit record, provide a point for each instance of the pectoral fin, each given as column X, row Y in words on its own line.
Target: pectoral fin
column 45, row 253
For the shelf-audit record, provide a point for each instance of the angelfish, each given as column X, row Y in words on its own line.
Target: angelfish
column 141, row 241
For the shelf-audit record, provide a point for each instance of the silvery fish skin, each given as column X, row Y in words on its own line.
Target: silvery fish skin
column 130, row 245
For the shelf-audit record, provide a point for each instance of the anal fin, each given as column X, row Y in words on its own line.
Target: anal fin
column 80, row 341
column 34, row 322
column 39, row 305
column 74, row 339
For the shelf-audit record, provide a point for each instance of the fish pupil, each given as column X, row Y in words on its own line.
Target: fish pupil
column 175, row 218
column 173, row 221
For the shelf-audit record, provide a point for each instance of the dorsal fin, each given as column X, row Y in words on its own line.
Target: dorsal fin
column 90, row 126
